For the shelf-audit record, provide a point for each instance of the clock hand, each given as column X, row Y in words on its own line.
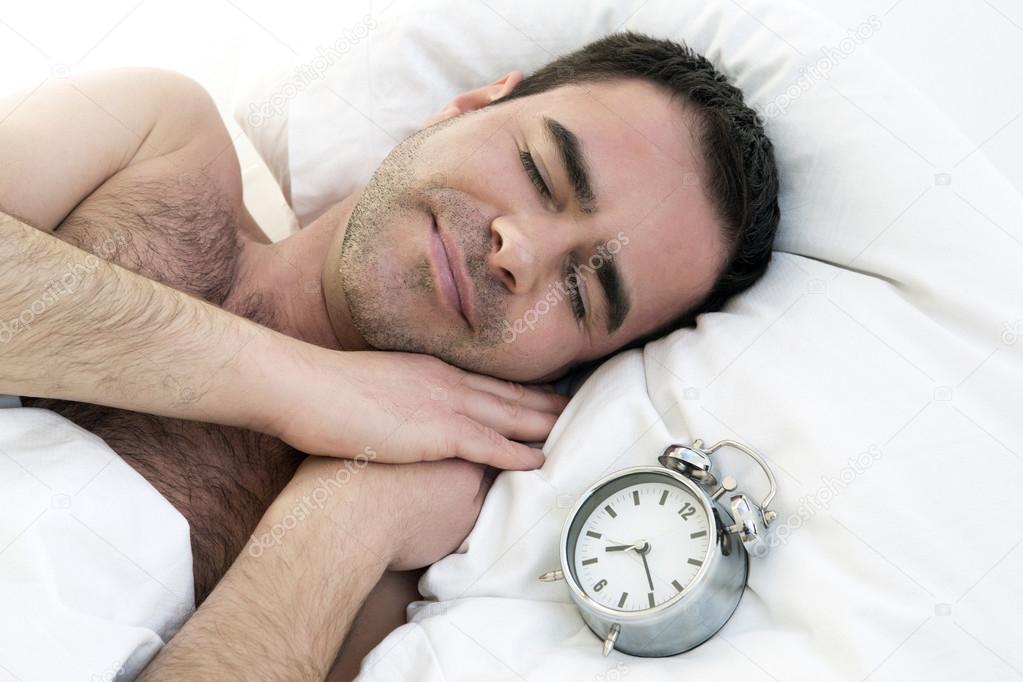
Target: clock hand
column 623, row 548
column 646, row 566
column 620, row 546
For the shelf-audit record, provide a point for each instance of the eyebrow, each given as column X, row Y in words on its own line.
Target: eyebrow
column 618, row 299
column 577, row 169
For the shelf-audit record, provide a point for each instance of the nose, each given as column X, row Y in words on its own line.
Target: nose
column 525, row 251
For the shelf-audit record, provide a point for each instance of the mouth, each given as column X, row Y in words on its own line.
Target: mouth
column 453, row 283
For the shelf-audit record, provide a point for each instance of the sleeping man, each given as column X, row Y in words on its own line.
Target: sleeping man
column 531, row 227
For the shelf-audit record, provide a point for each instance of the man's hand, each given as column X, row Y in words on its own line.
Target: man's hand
column 433, row 506
column 407, row 407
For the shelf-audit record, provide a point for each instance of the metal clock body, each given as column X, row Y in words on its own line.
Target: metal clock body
column 654, row 560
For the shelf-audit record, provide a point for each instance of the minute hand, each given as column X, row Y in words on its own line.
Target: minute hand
column 646, row 567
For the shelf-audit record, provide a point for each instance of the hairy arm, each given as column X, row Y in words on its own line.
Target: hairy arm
column 113, row 337
column 283, row 609
column 75, row 327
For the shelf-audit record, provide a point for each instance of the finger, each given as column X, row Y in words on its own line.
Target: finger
column 510, row 419
column 478, row 443
column 535, row 397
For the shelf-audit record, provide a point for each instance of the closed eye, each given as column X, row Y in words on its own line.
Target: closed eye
column 573, row 279
column 534, row 175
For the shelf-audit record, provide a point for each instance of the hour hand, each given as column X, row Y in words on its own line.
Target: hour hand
column 622, row 548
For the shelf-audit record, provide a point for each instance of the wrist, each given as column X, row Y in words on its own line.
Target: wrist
column 268, row 368
column 338, row 502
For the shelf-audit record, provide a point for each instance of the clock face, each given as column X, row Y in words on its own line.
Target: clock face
column 639, row 542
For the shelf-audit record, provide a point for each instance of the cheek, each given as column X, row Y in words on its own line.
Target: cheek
column 541, row 332
column 491, row 172
column 530, row 357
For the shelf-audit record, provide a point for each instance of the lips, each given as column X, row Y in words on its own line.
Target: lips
column 455, row 290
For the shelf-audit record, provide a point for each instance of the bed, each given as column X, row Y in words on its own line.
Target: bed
column 876, row 365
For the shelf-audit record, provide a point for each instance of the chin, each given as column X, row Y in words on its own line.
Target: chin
column 521, row 374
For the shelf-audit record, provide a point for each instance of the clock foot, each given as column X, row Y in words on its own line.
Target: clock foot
column 612, row 636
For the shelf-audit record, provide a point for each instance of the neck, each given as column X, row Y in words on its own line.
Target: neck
column 289, row 274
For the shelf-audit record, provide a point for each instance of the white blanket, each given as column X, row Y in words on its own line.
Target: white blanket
column 95, row 565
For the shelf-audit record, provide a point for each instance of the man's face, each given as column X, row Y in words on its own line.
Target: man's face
column 453, row 250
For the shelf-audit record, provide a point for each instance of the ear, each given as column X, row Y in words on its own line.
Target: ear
column 475, row 99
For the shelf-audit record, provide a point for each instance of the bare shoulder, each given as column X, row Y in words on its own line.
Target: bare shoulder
column 189, row 135
column 70, row 136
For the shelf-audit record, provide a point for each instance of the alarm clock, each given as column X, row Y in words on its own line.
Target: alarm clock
column 657, row 557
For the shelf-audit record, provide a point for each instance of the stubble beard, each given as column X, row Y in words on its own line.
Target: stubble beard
column 392, row 194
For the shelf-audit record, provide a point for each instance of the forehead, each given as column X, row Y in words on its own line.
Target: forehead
column 647, row 171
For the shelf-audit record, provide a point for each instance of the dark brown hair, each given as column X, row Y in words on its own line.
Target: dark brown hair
column 742, row 180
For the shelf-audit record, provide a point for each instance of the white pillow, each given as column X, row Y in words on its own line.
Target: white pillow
column 884, row 339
